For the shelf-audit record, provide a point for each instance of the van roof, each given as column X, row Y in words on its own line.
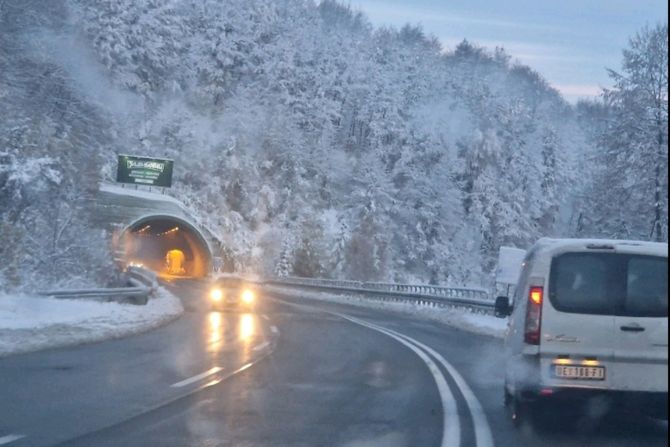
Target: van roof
column 619, row 246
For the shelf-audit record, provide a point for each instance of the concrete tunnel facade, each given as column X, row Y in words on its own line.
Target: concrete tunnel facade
column 169, row 245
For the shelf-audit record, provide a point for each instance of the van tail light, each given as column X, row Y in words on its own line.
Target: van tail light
column 533, row 316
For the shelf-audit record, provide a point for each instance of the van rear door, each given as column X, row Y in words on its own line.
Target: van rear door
column 641, row 326
column 577, row 345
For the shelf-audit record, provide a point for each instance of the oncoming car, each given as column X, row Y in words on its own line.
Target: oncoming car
column 588, row 327
column 231, row 292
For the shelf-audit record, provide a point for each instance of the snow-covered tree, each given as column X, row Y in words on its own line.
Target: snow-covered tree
column 315, row 144
column 628, row 196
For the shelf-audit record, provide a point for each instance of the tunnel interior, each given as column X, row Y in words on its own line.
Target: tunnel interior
column 167, row 245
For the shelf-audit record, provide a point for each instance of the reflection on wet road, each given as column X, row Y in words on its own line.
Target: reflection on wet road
column 280, row 375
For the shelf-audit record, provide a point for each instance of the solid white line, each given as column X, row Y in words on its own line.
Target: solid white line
column 451, row 429
column 193, row 379
column 274, row 329
column 10, row 438
column 483, row 437
column 261, row 346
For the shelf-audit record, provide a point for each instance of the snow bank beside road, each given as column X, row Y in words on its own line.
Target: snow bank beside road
column 456, row 317
column 30, row 323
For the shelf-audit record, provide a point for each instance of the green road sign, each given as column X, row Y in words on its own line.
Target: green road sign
column 144, row 171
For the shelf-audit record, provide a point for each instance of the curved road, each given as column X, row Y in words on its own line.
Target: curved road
column 291, row 373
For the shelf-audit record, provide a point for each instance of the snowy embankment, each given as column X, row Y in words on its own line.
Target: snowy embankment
column 29, row 323
column 456, row 317
column 139, row 193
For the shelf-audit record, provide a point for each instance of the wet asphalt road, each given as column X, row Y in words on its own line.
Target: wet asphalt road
column 291, row 373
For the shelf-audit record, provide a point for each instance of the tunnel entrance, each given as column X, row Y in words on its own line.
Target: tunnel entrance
column 168, row 245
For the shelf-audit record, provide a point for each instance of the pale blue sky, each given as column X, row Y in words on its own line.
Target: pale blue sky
column 570, row 42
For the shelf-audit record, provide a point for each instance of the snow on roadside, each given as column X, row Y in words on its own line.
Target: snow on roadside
column 30, row 323
column 456, row 317
column 139, row 193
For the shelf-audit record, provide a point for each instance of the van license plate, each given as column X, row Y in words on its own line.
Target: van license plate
column 579, row 372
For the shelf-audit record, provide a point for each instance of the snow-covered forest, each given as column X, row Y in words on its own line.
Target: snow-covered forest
column 317, row 144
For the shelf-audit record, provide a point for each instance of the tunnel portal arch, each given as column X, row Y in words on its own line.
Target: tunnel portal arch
column 148, row 240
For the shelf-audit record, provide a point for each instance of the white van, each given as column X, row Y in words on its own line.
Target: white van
column 589, row 319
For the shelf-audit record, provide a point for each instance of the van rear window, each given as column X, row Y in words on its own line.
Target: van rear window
column 610, row 284
column 647, row 287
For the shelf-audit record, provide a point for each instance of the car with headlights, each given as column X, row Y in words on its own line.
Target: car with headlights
column 588, row 328
column 231, row 292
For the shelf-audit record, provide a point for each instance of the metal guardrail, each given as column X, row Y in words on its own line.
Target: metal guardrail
column 144, row 283
column 142, row 277
column 474, row 299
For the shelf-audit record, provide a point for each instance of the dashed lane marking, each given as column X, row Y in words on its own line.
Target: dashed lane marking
column 197, row 378
column 261, row 346
column 10, row 438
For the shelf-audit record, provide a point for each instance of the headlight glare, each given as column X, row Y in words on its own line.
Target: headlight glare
column 248, row 296
column 216, row 294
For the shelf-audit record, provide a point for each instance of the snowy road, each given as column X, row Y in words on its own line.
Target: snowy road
column 293, row 373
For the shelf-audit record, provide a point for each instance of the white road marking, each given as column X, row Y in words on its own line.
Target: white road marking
column 483, row 437
column 10, row 438
column 198, row 377
column 265, row 317
column 261, row 346
column 451, row 432
column 274, row 329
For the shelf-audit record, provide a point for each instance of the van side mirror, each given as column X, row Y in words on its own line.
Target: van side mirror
column 502, row 308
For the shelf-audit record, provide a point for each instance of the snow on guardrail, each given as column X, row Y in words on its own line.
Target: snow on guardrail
column 474, row 299
column 144, row 284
